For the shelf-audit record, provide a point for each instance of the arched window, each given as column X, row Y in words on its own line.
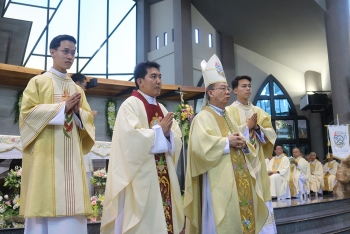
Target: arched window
column 292, row 130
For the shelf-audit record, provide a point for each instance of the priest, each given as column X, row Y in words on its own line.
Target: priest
column 142, row 191
column 316, row 170
column 57, row 128
column 221, row 190
column 279, row 173
column 330, row 170
column 299, row 181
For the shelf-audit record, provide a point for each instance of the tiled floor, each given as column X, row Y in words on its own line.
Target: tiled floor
column 310, row 200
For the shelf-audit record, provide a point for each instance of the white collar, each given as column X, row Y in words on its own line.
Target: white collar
column 60, row 74
column 217, row 110
column 242, row 103
column 314, row 161
column 278, row 156
column 150, row 100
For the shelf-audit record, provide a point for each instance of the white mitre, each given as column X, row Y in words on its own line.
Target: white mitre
column 213, row 72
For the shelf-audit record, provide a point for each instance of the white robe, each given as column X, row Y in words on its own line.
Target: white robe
column 317, row 180
column 133, row 202
column 301, row 177
column 279, row 181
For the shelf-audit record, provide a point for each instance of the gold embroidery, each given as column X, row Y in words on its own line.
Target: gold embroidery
column 243, row 183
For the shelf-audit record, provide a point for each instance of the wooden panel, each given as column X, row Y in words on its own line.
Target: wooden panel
column 19, row 76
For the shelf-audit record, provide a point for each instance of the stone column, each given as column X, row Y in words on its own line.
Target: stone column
column 337, row 23
column 142, row 30
column 183, row 59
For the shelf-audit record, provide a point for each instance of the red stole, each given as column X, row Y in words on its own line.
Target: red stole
column 153, row 113
column 151, row 110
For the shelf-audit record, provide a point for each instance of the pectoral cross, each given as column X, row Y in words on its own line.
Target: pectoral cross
column 65, row 95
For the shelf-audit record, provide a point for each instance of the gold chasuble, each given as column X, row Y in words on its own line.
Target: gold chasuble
column 240, row 113
column 142, row 189
column 330, row 170
column 237, row 201
column 53, row 178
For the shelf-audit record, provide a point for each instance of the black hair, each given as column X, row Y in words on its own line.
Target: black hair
column 234, row 83
column 78, row 77
column 56, row 42
column 140, row 70
column 296, row 148
column 278, row 145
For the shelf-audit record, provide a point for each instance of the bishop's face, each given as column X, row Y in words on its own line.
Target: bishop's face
column 220, row 94
column 152, row 83
column 63, row 57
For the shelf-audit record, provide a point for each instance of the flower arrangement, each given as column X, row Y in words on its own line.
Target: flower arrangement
column 99, row 179
column 17, row 106
column 9, row 211
column 111, row 114
column 13, row 179
column 184, row 115
column 97, row 207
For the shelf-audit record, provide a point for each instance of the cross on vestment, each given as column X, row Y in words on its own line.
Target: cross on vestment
column 65, row 95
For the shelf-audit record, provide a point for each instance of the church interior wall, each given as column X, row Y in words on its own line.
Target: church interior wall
column 325, row 77
column 259, row 67
column 161, row 21
column 165, row 57
column 161, row 18
column 201, row 51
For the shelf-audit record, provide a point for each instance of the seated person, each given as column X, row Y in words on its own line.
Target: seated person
column 329, row 170
column 299, row 175
column 316, row 182
column 268, row 160
column 278, row 171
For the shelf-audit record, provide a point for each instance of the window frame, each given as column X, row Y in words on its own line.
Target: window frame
column 294, row 116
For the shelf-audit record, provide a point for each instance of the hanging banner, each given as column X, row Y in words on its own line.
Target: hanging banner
column 339, row 138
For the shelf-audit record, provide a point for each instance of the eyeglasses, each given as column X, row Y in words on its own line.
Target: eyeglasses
column 225, row 89
column 66, row 52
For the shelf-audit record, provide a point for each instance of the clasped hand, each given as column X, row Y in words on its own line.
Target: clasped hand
column 252, row 122
column 236, row 141
column 73, row 103
column 166, row 123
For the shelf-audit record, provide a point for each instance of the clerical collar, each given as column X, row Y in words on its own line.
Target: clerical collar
column 218, row 110
column 313, row 162
column 278, row 156
column 242, row 103
column 57, row 73
column 150, row 100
